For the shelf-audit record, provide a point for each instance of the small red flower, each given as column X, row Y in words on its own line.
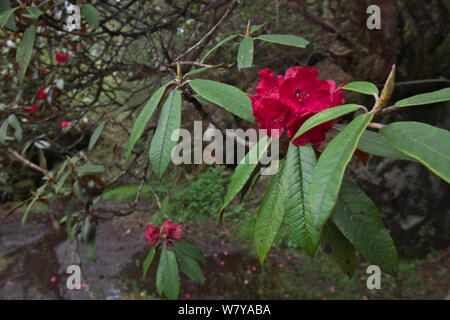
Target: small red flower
column 61, row 57
column 32, row 109
column 42, row 70
column 77, row 46
column 65, row 124
column 41, row 95
column 168, row 231
column 286, row 102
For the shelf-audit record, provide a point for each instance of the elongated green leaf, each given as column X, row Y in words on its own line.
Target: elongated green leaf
column 144, row 118
column 4, row 131
column 257, row 27
column 218, row 45
column 148, row 261
column 245, row 53
column 329, row 171
column 338, row 248
column 189, row 249
column 228, row 97
column 374, row 143
column 298, row 170
column 91, row 14
column 285, row 39
column 162, row 144
column 190, row 267
column 7, row 16
column 270, row 217
column 425, row 143
column 28, row 210
column 324, row 116
column 35, row 12
column 89, row 168
column 96, row 135
column 11, row 22
column 425, row 98
column 358, row 219
column 14, row 122
column 244, row 170
column 167, row 276
column 25, row 50
column 362, row 87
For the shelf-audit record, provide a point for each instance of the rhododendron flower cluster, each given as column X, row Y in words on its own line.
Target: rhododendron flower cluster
column 168, row 231
column 32, row 109
column 61, row 57
column 284, row 103
column 41, row 95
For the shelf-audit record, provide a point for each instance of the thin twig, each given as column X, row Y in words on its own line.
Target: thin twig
column 210, row 32
column 26, row 162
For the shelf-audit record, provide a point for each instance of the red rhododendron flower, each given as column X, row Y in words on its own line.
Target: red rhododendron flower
column 65, row 124
column 172, row 230
column 166, row 232
column 152, row 234
column 41, row 95
column 32, row 109
column 286, row 102
column 61, row 57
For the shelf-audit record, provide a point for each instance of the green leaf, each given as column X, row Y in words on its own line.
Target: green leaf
column 7, row 17
column 162, row 144
column 25, row 50
column 218, row 45
column 89, row 168
column 374, row 143
column 144, row 117
column 245, row 53
column 329, row 171
column 28, row 210
column 79, row 192
column 190, row 268
column 228, row 97
column 14, row 122
column 189, row 249
column 297, row 174
column 244, row 170
column 148, row 261
column 362, row 87
column 425, row 143
column 96, row 134
column 167, row 276
column 285, row 39
column 35, row 12
column 324, row 116
column 425, row 98
column 4, row 131
column 257, row 27
column 338, row 248
column 270, row 217
column 358, row 219
column 91, row 14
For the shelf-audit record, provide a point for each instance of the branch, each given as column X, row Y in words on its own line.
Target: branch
column 26, row 162
column 210, row 32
